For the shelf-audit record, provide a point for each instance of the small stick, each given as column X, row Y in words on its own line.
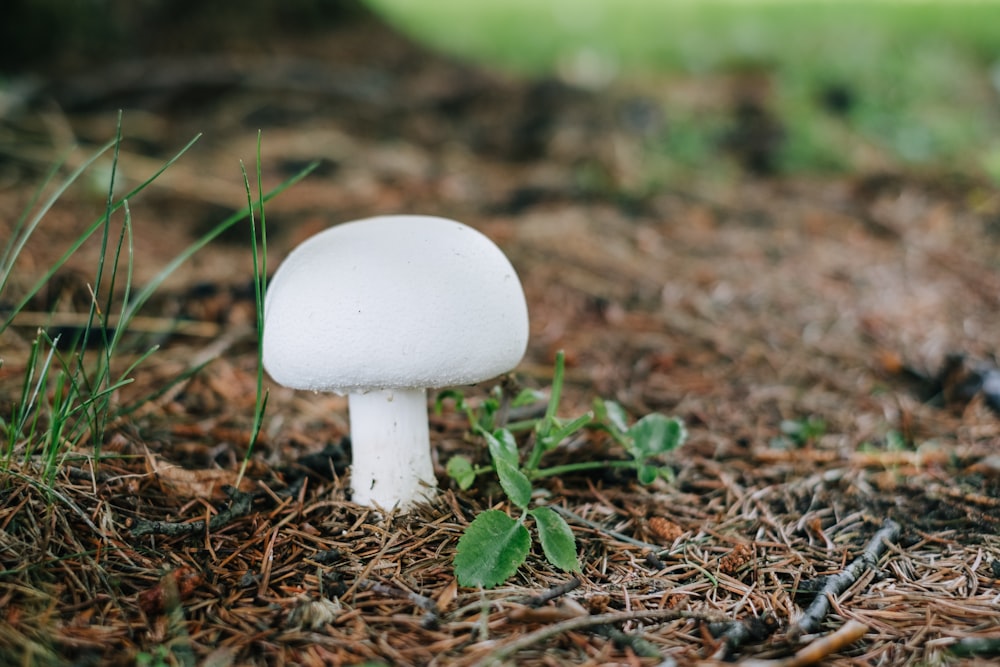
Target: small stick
column 736, row 633
column 822, row 648
column 241, row 505
column 639, row 645
column 552, row 593
column 840, row 582
column 849, row 633
column 433, row 616
column 582, row 622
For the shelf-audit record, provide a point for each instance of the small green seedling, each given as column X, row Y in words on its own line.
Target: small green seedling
column 799, row 432
column 495, row 545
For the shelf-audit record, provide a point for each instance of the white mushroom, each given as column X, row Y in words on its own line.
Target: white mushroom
column 381, row 310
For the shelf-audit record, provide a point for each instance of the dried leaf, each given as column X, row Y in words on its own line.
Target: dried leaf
column 175, row 587
column 206, row 483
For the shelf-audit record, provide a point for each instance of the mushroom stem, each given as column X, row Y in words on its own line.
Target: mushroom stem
column 391, row 448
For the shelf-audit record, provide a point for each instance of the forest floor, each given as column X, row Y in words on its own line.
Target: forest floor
column 829, row 342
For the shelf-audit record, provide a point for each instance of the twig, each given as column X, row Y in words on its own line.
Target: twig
column 579, row 623
column 736, row 633
column 433, row 616
column 840, row 582
column 552, row 593
column 849, row 633
column 640, row 646
column 240, row 506
column 816, row 651
column 938, row 491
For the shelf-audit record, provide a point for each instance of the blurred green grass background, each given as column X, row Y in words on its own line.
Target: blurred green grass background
column 856, row 85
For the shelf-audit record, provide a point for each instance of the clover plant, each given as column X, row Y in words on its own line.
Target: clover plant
column 495, row 544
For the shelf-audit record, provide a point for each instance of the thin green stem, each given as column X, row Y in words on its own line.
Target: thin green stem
column 259, row 254
column 519, row 426
column 544, row 429
column 578, row 467
column 556, row 392
column 537, row 451
column 95, row 305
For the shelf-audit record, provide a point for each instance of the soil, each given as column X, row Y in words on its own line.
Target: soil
column 829, row 341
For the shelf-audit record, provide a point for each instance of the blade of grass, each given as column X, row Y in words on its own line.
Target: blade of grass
column 556, row 393
column 8, row 252
column 150, row 288
column 95, row 309
column 25, row 407
column 260, row 292
column 103, row 373
column 68, row 395
column 92, row 382
column 187, row 374
column 18, row 242
column 87, row 233
column 549, row 421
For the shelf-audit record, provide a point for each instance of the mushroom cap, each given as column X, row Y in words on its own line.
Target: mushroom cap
column 392, row 302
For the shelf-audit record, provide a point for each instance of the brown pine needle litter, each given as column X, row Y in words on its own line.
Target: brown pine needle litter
column 795, row 324
column 312, row 579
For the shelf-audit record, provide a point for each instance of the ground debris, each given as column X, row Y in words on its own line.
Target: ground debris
column 734, row 634
column 313, row 613
column 819, row 649
column 552, row 593
column 240, row 505
column 836, row 584
column 983, row 647
column 173, row 589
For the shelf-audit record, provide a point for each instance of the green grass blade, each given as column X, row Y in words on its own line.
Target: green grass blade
column 259, row 255
column 87, row 233
column 150, row 288
column 7, row 259
column 103, row 372
column 556, row 393
column 184, row 376
column 23, row 408
column 18, row 245
column 124, row 241
column 95, row 308
column 108, row 206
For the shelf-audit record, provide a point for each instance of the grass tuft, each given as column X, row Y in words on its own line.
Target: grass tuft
column 68, row 396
